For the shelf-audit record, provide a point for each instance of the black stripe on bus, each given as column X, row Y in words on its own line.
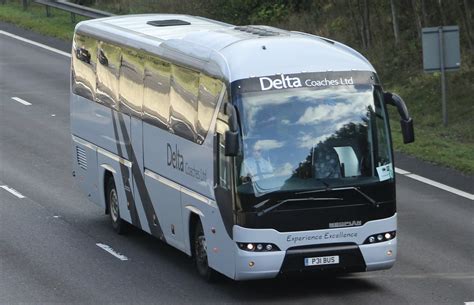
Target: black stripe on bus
column 124, row 174
column 137, row 174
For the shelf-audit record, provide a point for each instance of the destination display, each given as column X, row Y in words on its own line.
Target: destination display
column 317, row 80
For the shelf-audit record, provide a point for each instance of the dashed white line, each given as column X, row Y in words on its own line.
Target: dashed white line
column 12, row 191
column 112, row 251
column 21, row 101
column 442, row 186
column 468, row 303
column 35, row 43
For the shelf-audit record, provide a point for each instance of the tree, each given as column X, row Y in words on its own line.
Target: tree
column 396, row 31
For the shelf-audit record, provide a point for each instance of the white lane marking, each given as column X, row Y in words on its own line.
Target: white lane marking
column 442, row 186
column 12, row 191
column 112, row 251
column 21, row 101
column 468, row 303
column 401, row 171
column 35, row 43
column 446, row 276
column 397, row 170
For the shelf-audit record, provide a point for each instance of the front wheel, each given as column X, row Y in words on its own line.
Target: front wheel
column 200, row 254
column 118, row 224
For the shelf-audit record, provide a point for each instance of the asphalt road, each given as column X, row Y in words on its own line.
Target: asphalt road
column 48, row 251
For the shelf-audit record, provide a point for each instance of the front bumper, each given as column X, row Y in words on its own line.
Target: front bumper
column 353, row 254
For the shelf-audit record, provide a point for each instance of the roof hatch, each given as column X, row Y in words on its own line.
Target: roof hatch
column 168, row 22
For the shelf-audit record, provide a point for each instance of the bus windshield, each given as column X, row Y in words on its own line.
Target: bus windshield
column 300, row 139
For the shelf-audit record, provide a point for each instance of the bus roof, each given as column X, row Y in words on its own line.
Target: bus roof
column 224, row 50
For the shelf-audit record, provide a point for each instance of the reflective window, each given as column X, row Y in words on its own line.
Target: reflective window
column 131, row 82
column 84, row 61
column 183, row 96
column 156, row 104
column 108, row 68
column 209, row 91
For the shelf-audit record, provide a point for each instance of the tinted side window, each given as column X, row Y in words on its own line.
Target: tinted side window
column 184, row 96
column 156, row 103
column 84, row 62
column 131, row 82
column 209, row 92
column 108, row 68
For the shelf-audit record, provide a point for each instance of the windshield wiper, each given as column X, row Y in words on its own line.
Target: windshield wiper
column 358, row 190
column 279, row 203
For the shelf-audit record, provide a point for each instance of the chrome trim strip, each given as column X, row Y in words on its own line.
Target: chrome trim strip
column 84, row 142
column 180, row 188
column 102, row 151
column 114, row 157
column 163, row 180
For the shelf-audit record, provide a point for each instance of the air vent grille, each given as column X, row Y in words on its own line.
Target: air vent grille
column 259, row 31
column 168, row 22
column 81, row 157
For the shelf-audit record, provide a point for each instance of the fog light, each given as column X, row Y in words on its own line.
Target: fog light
column 251, row 264
column 259, row 247
column 250, row 247
column 389, row 252
column 388, row 236
column 371, row 239
column 380, row 237
column 269, row 247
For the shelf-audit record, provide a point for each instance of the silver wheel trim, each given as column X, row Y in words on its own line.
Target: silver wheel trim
column 114, row 212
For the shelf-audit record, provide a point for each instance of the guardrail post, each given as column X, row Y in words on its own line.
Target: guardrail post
column 25, row 4
column 73, row 18
column 48, row 13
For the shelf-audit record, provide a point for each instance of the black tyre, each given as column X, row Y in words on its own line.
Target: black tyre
column 118, row 224
column 200, row 254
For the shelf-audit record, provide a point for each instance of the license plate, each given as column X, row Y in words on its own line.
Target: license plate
column 321, row 260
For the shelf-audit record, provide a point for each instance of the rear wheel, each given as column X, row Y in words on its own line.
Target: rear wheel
column 118, row 224
column 200, row 254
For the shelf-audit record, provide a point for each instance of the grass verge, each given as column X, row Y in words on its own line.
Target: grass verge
column 59, row 25
column 451, row 146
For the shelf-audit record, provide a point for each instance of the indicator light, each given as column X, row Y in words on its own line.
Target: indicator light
column 371, row 239
column 269, row 247
column 380, row 237
column 259, row 247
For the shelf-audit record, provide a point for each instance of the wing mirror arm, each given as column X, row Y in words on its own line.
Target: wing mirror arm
column 406, row 122
column 232, row 139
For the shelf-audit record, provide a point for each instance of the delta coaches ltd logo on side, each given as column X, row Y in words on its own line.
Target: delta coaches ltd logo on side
column 284, row 81
column 176, row 160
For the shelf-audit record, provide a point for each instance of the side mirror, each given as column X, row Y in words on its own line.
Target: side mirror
column 406, row 122
column 232, row 141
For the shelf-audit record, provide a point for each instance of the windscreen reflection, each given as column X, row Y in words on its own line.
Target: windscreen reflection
column 300, row 139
